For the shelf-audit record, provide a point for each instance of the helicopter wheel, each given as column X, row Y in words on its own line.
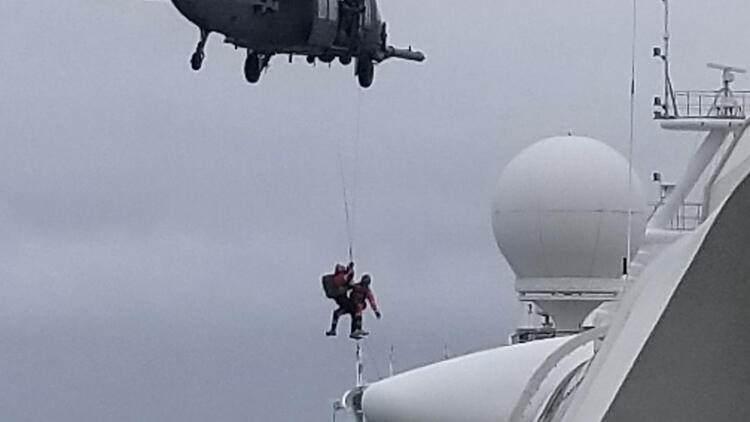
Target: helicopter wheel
column 253, row 68
column 196, row 61
column 345, row 60
column 365, row 72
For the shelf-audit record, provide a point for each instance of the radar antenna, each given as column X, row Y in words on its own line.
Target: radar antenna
column 727, row 72
column 725, row 102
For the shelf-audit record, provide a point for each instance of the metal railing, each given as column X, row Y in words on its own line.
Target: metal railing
column 526, row 335
column 708, row 104
column 688, row 217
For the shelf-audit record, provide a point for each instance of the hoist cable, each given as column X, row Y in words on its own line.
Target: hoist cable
column 347, row 213
column 355, row 171
column 349, row 192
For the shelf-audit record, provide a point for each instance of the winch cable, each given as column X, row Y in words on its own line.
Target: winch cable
column 355, row 171
column 347, row 212
column 349, row 192
column 349, row 196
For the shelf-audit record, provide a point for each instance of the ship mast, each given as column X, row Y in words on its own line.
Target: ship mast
column 667, row 82
column 668, row 102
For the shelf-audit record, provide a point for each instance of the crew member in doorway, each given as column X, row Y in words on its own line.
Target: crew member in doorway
column 337, row 287
column 360, row 295
column 351, row 10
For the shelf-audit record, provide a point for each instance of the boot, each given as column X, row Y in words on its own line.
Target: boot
column 358, row 334
column 357, row 331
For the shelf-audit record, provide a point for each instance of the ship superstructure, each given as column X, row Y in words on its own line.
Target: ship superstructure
column 652, row 328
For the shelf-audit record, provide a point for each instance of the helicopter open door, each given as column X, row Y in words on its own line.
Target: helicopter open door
column 325, row 24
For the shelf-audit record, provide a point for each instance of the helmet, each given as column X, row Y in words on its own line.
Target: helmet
column 366, row 280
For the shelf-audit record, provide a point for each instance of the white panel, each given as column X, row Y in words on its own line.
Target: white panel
column 709, row 316
column 481, row 387
column 723, row 186
column 741, row 153
column 701, row 341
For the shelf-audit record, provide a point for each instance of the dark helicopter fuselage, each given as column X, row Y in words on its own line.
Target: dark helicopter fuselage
column 350, row 30
column 306, row 27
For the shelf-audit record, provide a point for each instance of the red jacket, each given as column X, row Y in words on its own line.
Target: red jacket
column 360, row 295
column 342, row 278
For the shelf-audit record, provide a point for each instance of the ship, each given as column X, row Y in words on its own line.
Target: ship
column 642, row 306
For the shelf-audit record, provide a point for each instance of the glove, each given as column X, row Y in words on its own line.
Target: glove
column 378, row 315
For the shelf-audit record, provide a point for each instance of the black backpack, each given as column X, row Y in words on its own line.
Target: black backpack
column 329, row 287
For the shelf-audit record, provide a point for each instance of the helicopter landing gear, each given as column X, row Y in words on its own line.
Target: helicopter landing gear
column 345, row 60
column 365, row 71
column 196, row 60
column 254, row 65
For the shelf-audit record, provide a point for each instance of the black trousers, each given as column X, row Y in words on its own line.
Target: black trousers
column 346, row 306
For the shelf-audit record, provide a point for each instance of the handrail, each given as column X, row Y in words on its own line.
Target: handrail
column 550, row 363
column 688, row 216
column 563, row 391
column 707, row 104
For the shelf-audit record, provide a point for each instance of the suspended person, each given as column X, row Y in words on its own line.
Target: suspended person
column 336, row 286
column 360, row 295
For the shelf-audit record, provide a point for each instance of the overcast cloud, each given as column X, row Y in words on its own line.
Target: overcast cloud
column 162, row 232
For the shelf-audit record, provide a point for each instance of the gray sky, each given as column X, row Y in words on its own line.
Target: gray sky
column 162, row 232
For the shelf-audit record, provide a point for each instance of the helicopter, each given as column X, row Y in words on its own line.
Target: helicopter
column 325, row 30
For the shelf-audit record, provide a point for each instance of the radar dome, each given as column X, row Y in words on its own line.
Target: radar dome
column 561, row 210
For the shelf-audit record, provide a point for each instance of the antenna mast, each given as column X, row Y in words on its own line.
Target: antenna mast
column 360, row 367
column 352, row 400
column 663, row 53
column 631, row 140
column 390, row 361
column 667, row 35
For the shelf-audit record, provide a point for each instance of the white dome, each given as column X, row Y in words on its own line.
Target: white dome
column 561, row 210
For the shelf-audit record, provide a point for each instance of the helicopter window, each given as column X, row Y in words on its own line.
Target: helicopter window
column 323, row 9
column 333, row 10
column 368, row 14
